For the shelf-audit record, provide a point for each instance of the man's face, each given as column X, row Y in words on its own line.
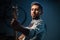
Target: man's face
column 35, row 11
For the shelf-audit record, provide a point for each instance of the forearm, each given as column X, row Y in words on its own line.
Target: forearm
column 16, row 26
column 21, row 37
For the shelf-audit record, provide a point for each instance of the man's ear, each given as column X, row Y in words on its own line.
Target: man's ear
column 41, row 12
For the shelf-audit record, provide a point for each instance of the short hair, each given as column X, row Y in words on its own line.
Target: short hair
column 38, row 4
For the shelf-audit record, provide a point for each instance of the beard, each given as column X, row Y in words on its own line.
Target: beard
column 35, row 17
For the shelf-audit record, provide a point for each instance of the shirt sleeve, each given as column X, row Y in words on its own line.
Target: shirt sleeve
column 39, row 27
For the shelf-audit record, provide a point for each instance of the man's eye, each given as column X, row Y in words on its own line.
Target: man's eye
column 32, row 9
column 37, row 9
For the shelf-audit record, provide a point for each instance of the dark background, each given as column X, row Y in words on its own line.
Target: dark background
column 51, row 16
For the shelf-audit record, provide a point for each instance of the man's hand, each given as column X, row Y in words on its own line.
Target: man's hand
column 21, row 37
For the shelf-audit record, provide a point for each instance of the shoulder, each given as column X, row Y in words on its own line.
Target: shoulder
column 40, row 22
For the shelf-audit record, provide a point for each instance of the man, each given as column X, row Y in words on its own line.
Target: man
column 36, row 28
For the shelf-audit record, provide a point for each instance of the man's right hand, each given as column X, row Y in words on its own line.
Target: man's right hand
column 21, row 37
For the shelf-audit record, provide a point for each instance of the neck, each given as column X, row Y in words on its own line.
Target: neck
column 36, row 18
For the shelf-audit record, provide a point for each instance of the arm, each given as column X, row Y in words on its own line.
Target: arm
column 21, row 37
column 16, row 26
